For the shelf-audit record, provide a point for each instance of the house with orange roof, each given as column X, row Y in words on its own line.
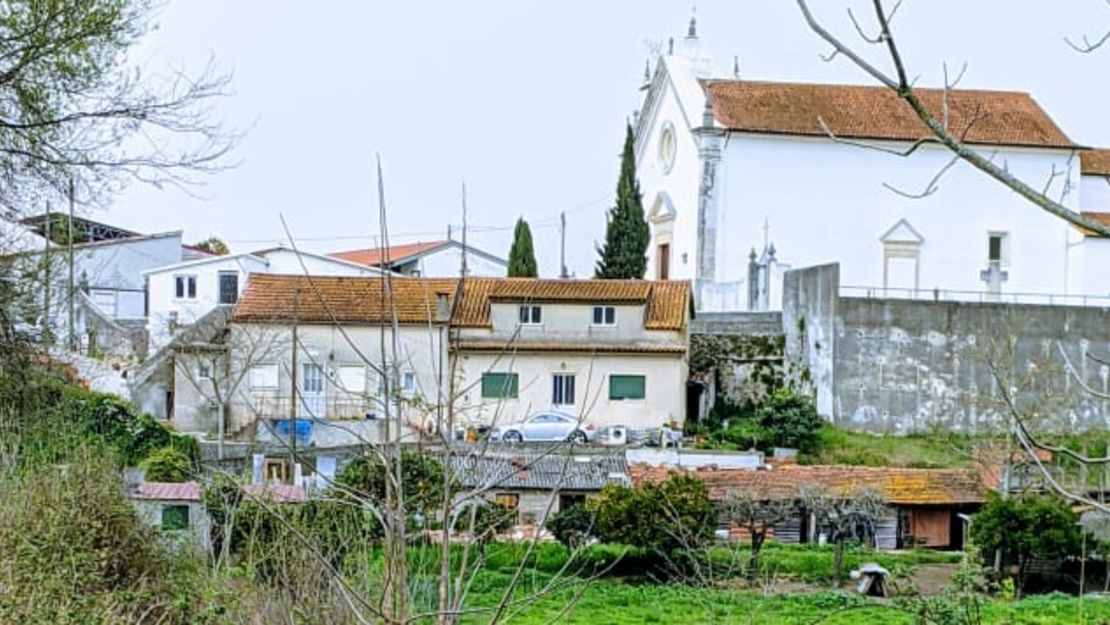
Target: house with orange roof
column 445, row 354
column 430, row 259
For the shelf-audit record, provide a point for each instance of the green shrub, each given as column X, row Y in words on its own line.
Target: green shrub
column 1026, row 527
column 571, row 526
column 168, row 465
column 661, row 517
column 791, row 419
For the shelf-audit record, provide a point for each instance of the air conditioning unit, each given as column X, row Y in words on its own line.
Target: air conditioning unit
column 615, row 435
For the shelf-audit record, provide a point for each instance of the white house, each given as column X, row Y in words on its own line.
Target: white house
column 496, row 349
column 109, row 294
column 433, row 259
column 181, row 293
column 742, row 180
column 609, row 352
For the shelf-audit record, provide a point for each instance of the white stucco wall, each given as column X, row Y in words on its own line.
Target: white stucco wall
column 665, row 387
column 163, row 300
column 1094, row 193
column 825, row 202
column 421, row 351
column 447, row 262
column 286, row 261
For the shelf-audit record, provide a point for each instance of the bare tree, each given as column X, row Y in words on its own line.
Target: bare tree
column 843, row 514
column 757, row 513
column 935, row 120
column 72, row 108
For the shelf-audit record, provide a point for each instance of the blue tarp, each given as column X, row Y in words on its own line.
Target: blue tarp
column 303, row 432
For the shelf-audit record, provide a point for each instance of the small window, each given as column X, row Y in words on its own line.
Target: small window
column 508, row 500
column 562, row 389
column 352, row 378
column 998, row 248
column 264, row 377
column 667, row 148
column 605, row 316
column 531, row 315
column 175, row 517
column 185, row 287
column 408, row 382
column 626, row 387
column 500, row 385
column 204, row 372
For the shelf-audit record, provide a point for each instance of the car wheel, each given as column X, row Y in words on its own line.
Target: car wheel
column 512, row 436
column 579, row 437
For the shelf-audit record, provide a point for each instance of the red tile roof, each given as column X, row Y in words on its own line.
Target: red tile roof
column 169, row 491
column 899, row 486
column 865, row 112
column 348, row 299
column 376, row 256
column 1095, row 162
column 1099, row 217
column 276, row 493
column 547, row 346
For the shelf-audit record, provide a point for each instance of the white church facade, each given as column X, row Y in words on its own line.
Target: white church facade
column 741, row 181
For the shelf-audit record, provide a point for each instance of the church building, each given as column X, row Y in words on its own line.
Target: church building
column 745, row 179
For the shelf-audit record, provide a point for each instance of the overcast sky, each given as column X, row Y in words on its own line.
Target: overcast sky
column 525, row 102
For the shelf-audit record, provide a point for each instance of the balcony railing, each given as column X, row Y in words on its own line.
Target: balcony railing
column 982, row 297
column 343, row 407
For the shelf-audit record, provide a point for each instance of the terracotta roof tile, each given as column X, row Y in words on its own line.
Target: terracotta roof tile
column 899, row 486
column 270, row 298
column 1095, row 162
column 1100, row 217
column 168, row 491
column 345, row 299
column 375, row 256
column 867, row 112
column 601, row 348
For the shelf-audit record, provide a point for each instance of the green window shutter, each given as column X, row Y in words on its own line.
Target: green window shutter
column 626, row 387
column 500, row 385
column 175, row 517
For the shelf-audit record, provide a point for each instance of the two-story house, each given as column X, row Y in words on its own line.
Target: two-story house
column 609, row 352
column 442, row 353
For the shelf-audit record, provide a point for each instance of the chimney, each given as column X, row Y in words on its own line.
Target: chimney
column 443, row 308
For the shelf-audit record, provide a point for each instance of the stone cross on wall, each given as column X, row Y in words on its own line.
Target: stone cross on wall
column 994, row 277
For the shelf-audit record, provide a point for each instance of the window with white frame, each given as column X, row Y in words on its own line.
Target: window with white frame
column 562, row 389
column 408, row 382
column 605, row 316
column 263, row 377
column 531, row 314
column 352, row 378
column 185, row 287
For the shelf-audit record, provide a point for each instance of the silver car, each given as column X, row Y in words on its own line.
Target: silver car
column 545, row 426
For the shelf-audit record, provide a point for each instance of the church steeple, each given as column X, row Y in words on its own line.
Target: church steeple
column 692, row 31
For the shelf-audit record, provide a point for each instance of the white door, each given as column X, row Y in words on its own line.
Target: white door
column 312, row 390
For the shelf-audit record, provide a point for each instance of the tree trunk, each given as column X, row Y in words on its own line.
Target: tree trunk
column 838, row 559
column 1019, row 581
column 753, row 561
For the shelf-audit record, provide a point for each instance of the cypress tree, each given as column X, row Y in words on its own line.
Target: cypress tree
column 522, row 258
column 624, row 254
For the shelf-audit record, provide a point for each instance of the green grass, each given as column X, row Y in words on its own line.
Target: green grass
column 838, row 446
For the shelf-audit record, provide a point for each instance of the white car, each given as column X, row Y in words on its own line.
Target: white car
column 545, row 426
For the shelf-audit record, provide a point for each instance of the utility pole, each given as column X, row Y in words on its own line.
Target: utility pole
column 47, row 321
column 563, row 245
column 72, row 341
column 464, row 268
column 294, row 404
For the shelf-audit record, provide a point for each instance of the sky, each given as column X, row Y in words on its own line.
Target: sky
column 524, row 102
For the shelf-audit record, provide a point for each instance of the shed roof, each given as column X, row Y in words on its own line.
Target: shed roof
column 1095, row 162
column 899, row 486
column 540, row 471
column 874, row 112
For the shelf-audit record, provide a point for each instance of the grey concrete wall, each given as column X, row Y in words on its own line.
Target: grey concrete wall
column 906, row 366
column 809, row 309
column 740, row 323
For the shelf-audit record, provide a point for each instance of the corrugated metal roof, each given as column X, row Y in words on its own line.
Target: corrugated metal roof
column 537, row 471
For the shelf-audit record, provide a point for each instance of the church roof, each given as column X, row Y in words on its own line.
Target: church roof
column 1095, row 162
column 867, row 112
